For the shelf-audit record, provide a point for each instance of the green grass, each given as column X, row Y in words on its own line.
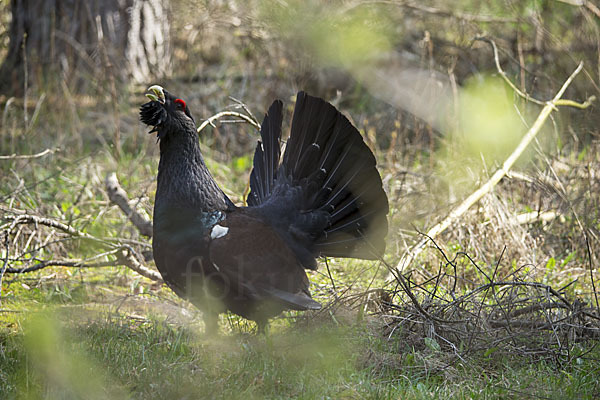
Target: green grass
column 65, row 339
column 60, row 354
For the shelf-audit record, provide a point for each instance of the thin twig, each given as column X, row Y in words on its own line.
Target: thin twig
column 330, row 276
column 404, row 284
column 436, row 11
column 28, row 156
column 4, row 263
column 32, row 219
column 589, row 254
column 525, row 95
column 62, row 263
column 245, row 108
column 246, row 118
column 117, row 195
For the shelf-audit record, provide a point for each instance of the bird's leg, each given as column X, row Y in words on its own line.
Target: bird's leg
column 211, row 323
column 262, row 325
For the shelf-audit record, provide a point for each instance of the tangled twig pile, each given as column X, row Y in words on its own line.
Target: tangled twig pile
column 463, row 318
column 509, row 315
column 30, row 241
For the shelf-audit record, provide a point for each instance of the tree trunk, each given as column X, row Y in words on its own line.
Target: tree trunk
column 84, row 42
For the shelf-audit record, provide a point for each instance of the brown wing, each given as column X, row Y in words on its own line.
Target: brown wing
column 257, row 261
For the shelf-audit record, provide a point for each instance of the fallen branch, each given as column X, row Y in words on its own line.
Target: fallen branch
column 61, row 263
column 535, row 216
column 32, row 219
column 130, row 260
column 493, row 181
column 545, row 306
column 117, row 195
column 28, row 156
column 125, row 257
column 124, row 253
column 516, row 318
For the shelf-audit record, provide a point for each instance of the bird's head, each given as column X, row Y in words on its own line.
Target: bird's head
column 165, row 113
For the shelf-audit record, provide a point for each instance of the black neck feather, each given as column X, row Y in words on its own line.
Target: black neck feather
column 184, row 181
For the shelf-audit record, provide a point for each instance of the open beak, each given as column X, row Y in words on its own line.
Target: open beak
column 157, row 94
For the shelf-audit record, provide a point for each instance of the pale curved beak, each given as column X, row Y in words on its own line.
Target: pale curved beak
column 157, row 95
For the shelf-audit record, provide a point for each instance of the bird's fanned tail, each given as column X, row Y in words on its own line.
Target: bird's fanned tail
column 326, row 156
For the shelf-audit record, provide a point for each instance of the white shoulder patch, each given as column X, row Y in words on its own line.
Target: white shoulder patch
column 218, row 231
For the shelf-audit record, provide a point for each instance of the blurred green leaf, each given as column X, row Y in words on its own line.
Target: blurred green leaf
column 550, row 264
column 432, row 344
column 331, row 35
column 568, row 258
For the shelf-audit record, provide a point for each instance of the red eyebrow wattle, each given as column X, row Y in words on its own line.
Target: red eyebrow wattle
column 181, row 102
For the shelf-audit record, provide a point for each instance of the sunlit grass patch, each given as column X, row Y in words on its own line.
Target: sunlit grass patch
column 107, row 357
column 57, row 355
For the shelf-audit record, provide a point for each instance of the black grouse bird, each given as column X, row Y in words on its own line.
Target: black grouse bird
column 323, row 198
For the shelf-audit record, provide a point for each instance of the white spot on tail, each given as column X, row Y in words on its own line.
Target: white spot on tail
column 218, row 231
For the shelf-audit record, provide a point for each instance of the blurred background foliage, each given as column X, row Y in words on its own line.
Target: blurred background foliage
column 399, row 65
column 400, row 58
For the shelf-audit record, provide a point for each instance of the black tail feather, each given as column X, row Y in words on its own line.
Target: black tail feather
column 328, row 158
column 266, row 156
column 295, row 301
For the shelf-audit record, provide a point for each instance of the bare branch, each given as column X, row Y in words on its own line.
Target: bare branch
column 245, row 108
column 535, row 216
column 129, row 258
column 117, row 195
column 215, row 117
column 125, row 253
column 436, row 11
column 29, row 156
column 61, row 263
column 525, row 95
column 32, row 219
column 125, row 256
column 4, row 263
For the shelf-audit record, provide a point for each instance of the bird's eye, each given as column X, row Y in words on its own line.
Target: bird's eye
column 180, row 104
